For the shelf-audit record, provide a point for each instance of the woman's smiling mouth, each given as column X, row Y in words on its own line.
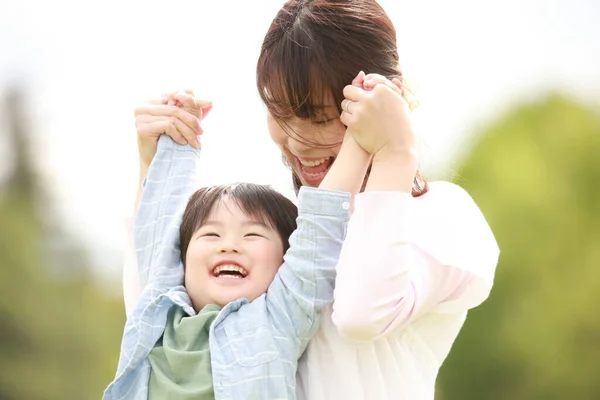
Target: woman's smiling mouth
column 313, row 170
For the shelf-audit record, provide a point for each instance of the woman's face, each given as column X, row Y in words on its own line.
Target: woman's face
column 310, row 146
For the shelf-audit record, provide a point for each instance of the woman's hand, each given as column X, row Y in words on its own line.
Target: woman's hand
column 177, row 114
column 378, row 117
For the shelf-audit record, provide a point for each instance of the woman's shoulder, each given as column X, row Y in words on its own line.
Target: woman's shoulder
column 453, row 225
column 448, row 200
column 445, row 192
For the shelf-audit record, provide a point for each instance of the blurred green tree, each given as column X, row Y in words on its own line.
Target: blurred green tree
column 58, row 338
column 535, row 174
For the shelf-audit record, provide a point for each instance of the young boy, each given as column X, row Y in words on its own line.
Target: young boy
column 240, row 323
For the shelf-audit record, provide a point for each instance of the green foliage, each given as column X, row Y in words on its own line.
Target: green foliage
column 536, row 176
column 58, row 339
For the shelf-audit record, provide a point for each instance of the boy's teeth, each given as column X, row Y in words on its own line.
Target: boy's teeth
column 229, row 268
column 314, row 163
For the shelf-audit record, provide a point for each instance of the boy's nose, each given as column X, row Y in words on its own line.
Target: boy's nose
column 228, row 246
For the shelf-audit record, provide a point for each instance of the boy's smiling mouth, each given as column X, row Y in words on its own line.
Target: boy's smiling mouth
column 229, row 270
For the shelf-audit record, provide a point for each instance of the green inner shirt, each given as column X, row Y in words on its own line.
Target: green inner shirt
column 180, row 360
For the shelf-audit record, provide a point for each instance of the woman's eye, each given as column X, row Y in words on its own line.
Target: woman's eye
column 324, row 121
column 211, row 234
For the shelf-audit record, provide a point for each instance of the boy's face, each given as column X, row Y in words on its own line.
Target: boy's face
column 231, row 256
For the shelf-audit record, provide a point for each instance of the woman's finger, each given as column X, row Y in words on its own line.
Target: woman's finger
column 157, row 128
column 371, row 83
column 397, row 82
column 185, row 131
column 170, row 96
column 174, row 133
column 205, row 106
column 149, row 126
column 157, row 101
column 172, row 111
column 141, row 109
column 147, row 118
column 346, row 118
column 188, row 103
column 182, row 130
column 375, row 77
column 346, row 106
column 353, row 93
column 198, row 107
column 141, row 121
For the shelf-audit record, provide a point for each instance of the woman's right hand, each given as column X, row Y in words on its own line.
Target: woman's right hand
column 177, row 114
column 377, row 115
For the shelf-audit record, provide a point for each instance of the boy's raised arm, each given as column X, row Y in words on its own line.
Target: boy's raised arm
column 166, row 191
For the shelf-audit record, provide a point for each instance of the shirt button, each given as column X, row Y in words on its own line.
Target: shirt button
column 346, row 205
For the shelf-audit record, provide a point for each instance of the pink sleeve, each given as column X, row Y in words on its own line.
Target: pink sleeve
column 404, row 257
column 131, row 280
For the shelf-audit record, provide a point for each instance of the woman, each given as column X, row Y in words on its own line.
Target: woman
column 417, row 256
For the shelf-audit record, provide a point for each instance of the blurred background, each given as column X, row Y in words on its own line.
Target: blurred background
column 510, row 110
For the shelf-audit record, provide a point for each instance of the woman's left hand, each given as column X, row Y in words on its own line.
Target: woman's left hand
column 378, row 116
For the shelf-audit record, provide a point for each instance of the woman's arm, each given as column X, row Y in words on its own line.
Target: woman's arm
column 405, row 257
column 131, row 280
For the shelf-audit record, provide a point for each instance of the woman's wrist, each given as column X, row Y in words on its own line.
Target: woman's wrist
column 144, row 168
column 393, row 170
column 400, row 153
column 146, row 150
column 142, row 177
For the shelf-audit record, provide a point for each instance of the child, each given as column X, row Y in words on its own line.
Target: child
column 238, row 327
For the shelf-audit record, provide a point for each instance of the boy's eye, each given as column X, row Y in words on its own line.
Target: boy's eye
column 253, row 234
column 211, row 234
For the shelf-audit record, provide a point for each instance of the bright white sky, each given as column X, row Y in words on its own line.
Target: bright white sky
column 88, row 64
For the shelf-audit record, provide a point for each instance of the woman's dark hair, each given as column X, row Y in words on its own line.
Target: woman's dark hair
column 258, row 201
column 314, row 48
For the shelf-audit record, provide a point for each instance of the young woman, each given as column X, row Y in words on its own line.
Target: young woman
column 417, row 255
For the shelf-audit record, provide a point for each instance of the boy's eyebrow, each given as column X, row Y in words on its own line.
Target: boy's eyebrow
column 255, row 222
column 245, row 223
column 212, row 223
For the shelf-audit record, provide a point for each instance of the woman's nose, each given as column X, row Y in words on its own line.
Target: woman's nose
column 300, row 146
column 299, row 149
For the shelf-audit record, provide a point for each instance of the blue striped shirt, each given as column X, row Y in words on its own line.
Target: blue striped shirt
column 254, row 346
